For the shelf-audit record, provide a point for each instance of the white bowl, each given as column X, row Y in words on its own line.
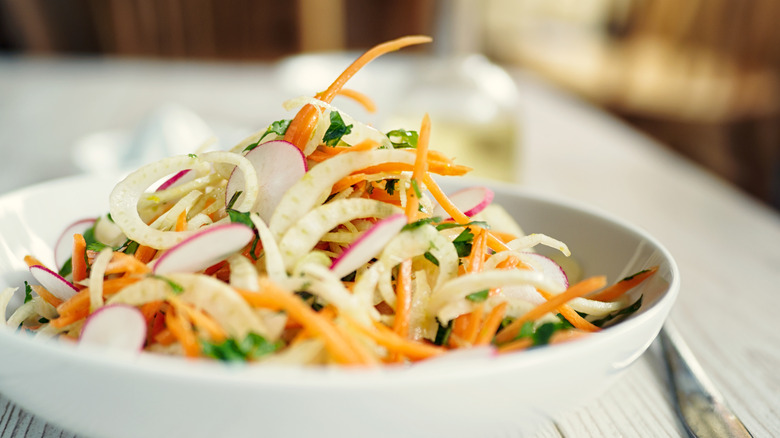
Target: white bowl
column 96, row 394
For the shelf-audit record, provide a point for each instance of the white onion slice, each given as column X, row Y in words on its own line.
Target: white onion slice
column 470, row 201
column 116, row 326
column 278, row 164
column 368, row 245
column 53, row 282
column 205, row 248
column 63, row 249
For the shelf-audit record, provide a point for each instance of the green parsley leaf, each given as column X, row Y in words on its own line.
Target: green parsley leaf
column 66, row 268
column 98, row 246
column 544, row 332
column 192, row 155
column 443, row 333
column 448, row 225
column 478, row 297
column 390, row 186
column 431, row 258
column 43, row 320
column 634, row 275
column 175, row 287
column 403, row 139
column 131, row 248
column 278, row 127
column 240, row 217
column 418, row 223
column 526, row 330
column 27, row 292
column 416, row 188
column 253, row 346
column 463, row 242
column 233, row 199
column 336, row 130
column 620, row 314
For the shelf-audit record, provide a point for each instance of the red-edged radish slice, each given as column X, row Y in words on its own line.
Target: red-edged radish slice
column 368, row 245
column 53, row 282
column 63, row 249
column 279, row 165
column 551, row 270
column 204, row 249
column 180, row 177
column 116, row 326
column 470, row 201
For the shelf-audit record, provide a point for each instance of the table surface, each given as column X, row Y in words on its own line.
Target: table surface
column 725, row 243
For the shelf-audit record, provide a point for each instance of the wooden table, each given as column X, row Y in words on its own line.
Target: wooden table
column 725, row 243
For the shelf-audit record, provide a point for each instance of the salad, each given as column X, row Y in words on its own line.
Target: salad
column 317, row 240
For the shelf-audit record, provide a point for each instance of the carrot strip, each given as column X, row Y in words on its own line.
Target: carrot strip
column 300, row 129
column 571, row 315
column 360, row 98
column 181, row 221
column 433, row 167
column 32, row 261
column 474, row 322
column 491, row 324
column 121, row 262
column 503, row 236
column 273, row 297
column 79, row 262
column 403, row 293
column 322, row 153
column 46, row 295
column 150, row 309
column 347, row 181
column 77, row 307
column 199, row 319
column 145, row 254
column 616, row 290
column 182, row 330
column 517, row 345
column 420, row 168
column 583, row 287
column 392, row 341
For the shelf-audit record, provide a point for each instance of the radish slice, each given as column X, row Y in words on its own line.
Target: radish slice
column 117, row 326
column 63, row 249
column 367, row 246
column 551, row 270
column 470, row 201
column 178, row 178
column 204, row 249
column 53, row 282
column 279, row 165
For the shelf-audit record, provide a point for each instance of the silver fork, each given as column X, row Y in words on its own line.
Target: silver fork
column 699, row 404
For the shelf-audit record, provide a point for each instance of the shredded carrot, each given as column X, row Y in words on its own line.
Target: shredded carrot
column 491, row 324
column 323, row 152
column 300, row 129
column 360, row 98
column 164, row 336
column 467, row 325
column 419, row 170
column 150, row 309
column 403, row 293
column 347, row 181
column 273, row 297
column 181, row 221
column 144, row 253
column 616, row 290
column 435, row 167
column 503, row 236
column 182, row 330
column 571, row 315
column 46, row 295
column 124, row 263
column 32, row 261
column 384, row 336
column 199, row 319
column 582, row 288
column 78, row 260
column 516, row 345
column 77, row 306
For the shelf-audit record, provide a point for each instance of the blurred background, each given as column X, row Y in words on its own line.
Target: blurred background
column 701, row 76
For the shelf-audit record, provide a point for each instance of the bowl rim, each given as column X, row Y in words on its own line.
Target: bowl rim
column 250, row 375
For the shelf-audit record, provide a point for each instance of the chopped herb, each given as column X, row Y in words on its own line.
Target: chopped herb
column 478, row 297
column 175, row 287
column 233, row 199
column 443, row 333
column 251, row 347
column 27, row 292
column 463, row 242
column 370, row 188
column 98, row 246
column 240, row 217
column 526, row 330
column 310, row 299
column 109, row 217
column 66, row 268
column 416, row 188
column 132, row 247
column 544, row 332
column 620, row 314
column 403, row 139
column 431, row 258
column 43, row 320
column 278, row 127
column 630, row 277
column 192, row 155
column 420, row 222
column 390, row 186
column 336, row 130
column 447, row 225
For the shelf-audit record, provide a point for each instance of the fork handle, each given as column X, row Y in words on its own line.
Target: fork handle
column 699, row 404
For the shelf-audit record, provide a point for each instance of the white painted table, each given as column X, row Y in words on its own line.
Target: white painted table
column 727, row 245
